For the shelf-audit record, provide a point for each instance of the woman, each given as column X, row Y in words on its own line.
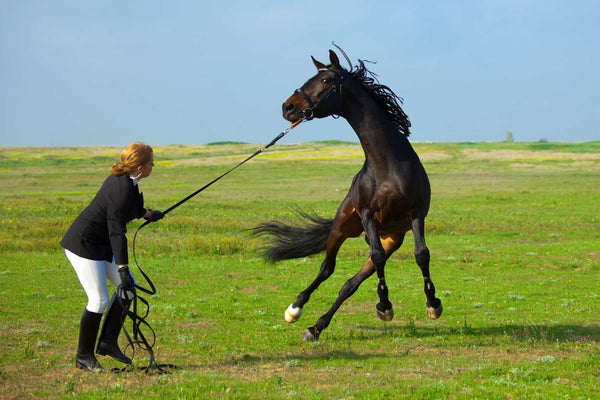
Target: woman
column 96, row 246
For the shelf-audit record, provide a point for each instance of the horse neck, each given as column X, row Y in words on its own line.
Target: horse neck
column 380, row 140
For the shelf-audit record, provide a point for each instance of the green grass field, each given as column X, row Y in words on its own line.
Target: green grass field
column 513, row 230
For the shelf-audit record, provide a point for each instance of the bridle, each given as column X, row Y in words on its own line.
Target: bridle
column 308, row 113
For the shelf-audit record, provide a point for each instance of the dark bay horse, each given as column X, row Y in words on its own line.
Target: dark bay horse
column 388, row 197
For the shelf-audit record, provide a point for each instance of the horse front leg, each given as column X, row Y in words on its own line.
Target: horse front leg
column 433, row 305
column 378, row 257
column 390, row 245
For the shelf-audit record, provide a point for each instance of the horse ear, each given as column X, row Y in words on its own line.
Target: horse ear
column 318, row 64
column 335, row 61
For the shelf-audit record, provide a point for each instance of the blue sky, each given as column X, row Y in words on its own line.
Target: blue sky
column 181, row 72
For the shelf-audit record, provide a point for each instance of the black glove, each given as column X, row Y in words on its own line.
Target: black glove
column 155, row 216
column 127, row 283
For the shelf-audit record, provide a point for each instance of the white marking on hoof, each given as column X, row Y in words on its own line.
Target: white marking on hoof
column 292, row 314
column 434, row 313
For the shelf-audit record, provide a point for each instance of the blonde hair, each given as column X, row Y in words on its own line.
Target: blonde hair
column 132, row 157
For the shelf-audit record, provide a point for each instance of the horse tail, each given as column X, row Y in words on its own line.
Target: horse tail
column 287, row 242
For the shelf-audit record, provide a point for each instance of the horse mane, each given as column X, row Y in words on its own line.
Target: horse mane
column 384, row 97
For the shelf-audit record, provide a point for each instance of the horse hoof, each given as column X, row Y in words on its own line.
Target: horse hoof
column 385, row 315
column 310, row 335
column 292, row 314
column 434, row 311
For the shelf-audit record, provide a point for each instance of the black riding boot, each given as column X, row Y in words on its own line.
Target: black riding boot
column 113, row 322
column 88, row 330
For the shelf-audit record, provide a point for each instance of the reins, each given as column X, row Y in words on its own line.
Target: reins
column 138, row 338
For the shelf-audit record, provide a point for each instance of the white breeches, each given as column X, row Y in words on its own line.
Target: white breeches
column 92, row 275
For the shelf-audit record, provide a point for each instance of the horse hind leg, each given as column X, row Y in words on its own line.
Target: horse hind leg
column 344, row 226
column 312, row 333
column 385, row 310
column 433, row 305
column 294, row 310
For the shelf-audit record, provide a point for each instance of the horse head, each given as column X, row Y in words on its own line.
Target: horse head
column 320, row 96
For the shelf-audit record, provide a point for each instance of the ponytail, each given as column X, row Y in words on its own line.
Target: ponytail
column 117, row 169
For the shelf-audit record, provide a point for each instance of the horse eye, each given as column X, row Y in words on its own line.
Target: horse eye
column 325, row 80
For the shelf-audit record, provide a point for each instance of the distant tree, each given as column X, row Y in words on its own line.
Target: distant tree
column 509, row 137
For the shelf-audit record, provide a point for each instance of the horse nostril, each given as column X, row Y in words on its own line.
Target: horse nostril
column 288, row 107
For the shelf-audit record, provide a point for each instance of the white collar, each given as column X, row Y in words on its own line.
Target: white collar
column 134, row 180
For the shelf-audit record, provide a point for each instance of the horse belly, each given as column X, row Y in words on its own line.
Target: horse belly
column 395, row 226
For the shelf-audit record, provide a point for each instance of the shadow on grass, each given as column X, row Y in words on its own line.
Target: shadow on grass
column 328, row 348
column 525, row 333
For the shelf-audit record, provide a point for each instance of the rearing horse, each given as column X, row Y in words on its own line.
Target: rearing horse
column 389, row 196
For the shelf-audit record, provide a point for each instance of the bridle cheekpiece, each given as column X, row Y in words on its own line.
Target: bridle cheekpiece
column 308, row 113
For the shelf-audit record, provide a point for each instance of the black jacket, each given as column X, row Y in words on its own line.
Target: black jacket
column 98, row 233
